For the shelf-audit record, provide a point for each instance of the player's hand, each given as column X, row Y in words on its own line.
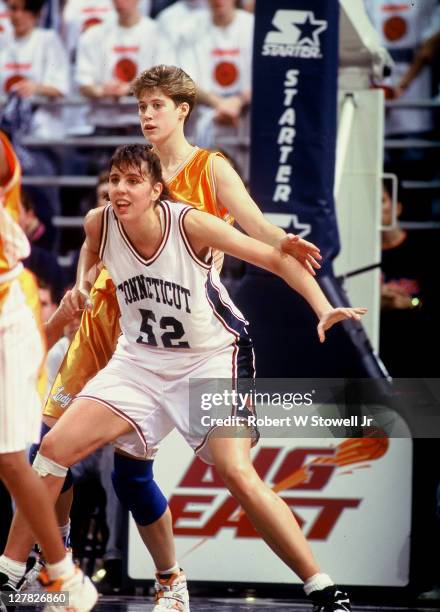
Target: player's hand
column 25, row 88
column 335, row 315
column 228, row 110
column 394, row 298
column 305, row 252
column 115, row 88
column 76, row 300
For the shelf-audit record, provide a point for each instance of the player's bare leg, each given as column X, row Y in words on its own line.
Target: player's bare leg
column 158, row 538
column 26, row 488
column 269, row 514
column 85, row 427
column 273, row 519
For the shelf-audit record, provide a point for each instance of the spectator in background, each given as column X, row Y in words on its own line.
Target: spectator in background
column 217, row 54
column 80, row 15
column 109, row 57
column 41, row 261
column 98, row 198
column 159, row 5
column 174, row 20
column 35, row 64
column 5, row 25
column 39, row 233
column 403, row 27
column 102, row 189
column 48, row 300
column 409, row 298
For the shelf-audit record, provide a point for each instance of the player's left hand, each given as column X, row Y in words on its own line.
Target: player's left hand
column 335, row 315
column 305, row 252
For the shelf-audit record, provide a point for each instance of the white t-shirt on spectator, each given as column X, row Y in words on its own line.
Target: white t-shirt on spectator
column 110, row 52
column 219, row 59
column 402, row 26
column 80, row 15
column 39, row 57
column 175, row 21
column 5, row 25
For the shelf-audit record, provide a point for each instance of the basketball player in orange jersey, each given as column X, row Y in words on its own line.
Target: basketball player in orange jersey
column 22, row 354
column 166, row 96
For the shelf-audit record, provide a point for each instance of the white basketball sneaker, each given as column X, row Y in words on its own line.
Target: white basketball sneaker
column 82, row 593
column 171, row 592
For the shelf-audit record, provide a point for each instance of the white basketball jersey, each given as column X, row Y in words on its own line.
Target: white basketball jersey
column 173, row 300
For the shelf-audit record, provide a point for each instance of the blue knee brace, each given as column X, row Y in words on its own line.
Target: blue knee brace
column 134, row 485
column 68, row 482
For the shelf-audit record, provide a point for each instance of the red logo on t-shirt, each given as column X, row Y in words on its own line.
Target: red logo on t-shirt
column 226, row 73
column 395, row 28
column 89, row 23
column 15, row 78
column 125, row 70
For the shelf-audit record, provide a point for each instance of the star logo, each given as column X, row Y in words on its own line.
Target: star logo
column 289, row 223
column 296, row 28
column 310, row 29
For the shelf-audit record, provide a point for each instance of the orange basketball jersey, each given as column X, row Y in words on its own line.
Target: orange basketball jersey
column 14, row 245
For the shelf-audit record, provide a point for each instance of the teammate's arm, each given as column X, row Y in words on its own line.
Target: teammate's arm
column 54, row 327
column 232, row 194
column 206, row 231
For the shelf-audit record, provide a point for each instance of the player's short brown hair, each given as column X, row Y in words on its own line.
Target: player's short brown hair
column 172, row 82
column 135, row 155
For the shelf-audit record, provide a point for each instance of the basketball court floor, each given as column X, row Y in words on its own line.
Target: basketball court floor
column 142, row 604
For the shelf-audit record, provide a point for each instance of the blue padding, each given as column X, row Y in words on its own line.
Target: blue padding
column 135, row 487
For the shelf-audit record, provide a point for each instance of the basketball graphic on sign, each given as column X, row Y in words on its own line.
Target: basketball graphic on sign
column 226, row 73
column 395, row 28
column 89, row 23
column 125, row 70
column 15, row 78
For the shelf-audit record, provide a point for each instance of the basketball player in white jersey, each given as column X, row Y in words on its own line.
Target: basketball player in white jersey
column 177, row 323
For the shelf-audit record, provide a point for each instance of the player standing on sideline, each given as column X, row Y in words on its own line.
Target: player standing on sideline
column 22, row 353
column 196, row 333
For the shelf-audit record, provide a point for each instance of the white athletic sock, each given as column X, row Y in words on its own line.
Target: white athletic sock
column 317, row 582
column 172, row 570
column 62, row 568
column 13, row 569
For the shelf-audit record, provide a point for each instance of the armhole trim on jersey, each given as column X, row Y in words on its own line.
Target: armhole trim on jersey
column 186, row 242
column 212, row 180
column 104, row 231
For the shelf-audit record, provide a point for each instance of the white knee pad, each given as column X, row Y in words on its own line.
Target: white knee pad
column 44, row 466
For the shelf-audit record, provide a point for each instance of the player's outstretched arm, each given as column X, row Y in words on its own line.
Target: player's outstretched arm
column 233, row 195
column 206, row 231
